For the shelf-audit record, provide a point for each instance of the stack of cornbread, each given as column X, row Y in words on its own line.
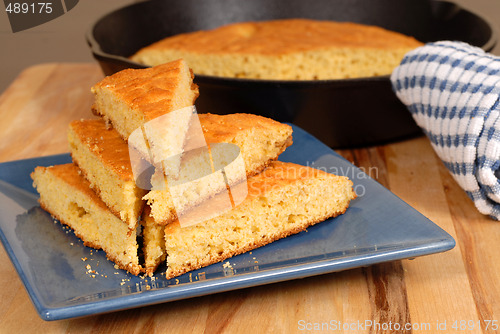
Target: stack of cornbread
column 98, row 196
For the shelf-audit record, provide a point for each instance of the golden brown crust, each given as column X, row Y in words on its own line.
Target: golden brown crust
column 262, row 242
column 221, row 128
column 280, row 37
column 106, row 144
column 277, row 177
column 67, row 172
column 112, row 150
column 98, row 193
column 287, row 143
column 149, row 91
column 279, row 174
column 224, row 128
column 289, row 49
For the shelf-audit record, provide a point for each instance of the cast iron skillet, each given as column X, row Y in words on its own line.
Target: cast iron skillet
column 341, row 113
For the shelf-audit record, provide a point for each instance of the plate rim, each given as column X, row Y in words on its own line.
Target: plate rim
column 221, row 284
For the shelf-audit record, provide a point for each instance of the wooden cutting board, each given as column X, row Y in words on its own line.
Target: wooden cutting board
column 458, row 290
column 38, row 106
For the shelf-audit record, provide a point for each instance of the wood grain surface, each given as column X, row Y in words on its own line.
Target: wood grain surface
column 453, row 292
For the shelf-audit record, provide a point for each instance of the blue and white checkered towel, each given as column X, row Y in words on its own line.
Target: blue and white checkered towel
column 452, row 90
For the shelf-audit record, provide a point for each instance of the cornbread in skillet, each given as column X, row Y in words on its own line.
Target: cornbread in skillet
column 261, row 140
column 288, row 49
column 67, row 196
column 103, row 157
column 282, row 200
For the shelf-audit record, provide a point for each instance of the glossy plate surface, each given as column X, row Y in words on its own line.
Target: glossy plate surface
column 66, row 279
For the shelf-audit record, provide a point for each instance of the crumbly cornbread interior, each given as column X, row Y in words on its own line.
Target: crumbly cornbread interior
column 103, row 157
column 282, row 200
column 153, row 237
column 67, row 195
column 261, row 140
column 130, row 98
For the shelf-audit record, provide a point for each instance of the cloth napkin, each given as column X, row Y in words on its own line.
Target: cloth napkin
column 452, row 91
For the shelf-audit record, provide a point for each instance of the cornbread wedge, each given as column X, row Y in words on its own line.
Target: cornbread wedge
column 261, row 140
column 103, row 157
column 130, row 98
column 67, row 195
column 282, row 200
column 154, row 102
column 289, row 49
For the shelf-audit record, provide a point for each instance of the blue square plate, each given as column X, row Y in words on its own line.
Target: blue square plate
column 66, row 279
